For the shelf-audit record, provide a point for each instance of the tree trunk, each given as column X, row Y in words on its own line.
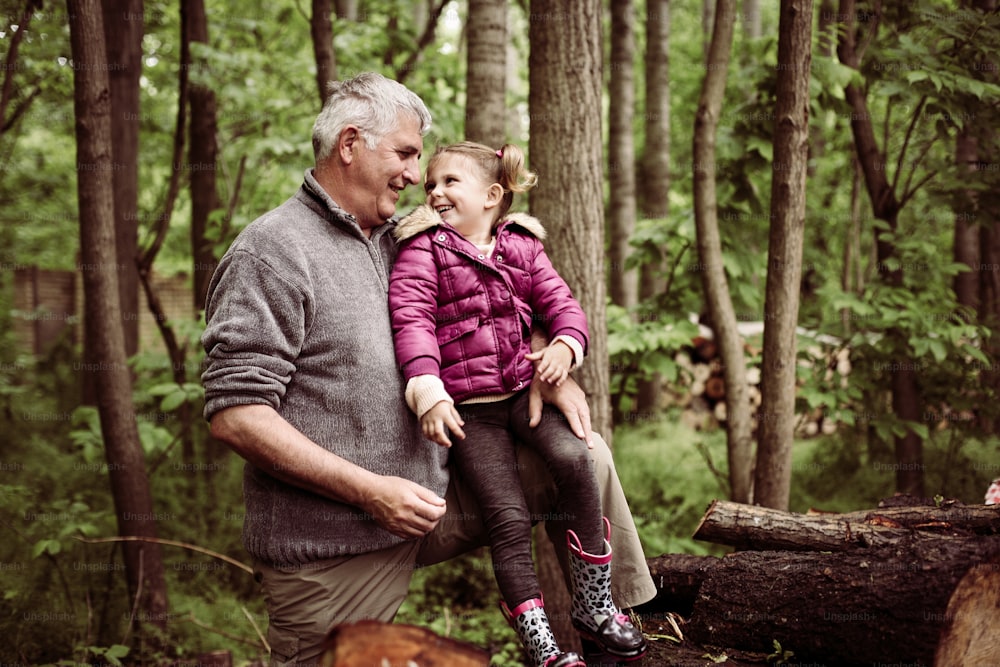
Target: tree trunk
column 776, row 417
column 885, row 206
column 621, row 154
column 760, row 528
column 126, row 463
column 486, row 79
column 347, row 9
column 321, row 28
column 654, row 176
column 203, row 161
column 868, row 606
column 564, row 102
column 565, row 107
column 720, row 306
column 123, row 25
column 752, row 20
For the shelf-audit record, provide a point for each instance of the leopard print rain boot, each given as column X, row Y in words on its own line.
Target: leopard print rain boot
column 594, row 614
column 532, row 626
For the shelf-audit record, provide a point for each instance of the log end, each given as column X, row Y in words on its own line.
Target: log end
column 397, row 645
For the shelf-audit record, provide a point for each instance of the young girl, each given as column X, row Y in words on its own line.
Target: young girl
column 468, row 286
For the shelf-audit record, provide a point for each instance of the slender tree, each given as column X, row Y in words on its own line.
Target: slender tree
column 485, row 106
column 123, row 25
column 885, row 206
column 773, row 472
column 654, row 175
column 321, row 27
column 126, row 463
column 720, row 306
column 203, row 157
column 752, row 24
column 623, row 283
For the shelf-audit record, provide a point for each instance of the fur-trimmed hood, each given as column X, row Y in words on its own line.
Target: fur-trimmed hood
column 424, row 217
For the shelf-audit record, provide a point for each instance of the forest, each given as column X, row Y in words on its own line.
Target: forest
column 782, row 220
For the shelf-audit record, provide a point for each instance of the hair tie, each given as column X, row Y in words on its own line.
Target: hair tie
column 500, row 153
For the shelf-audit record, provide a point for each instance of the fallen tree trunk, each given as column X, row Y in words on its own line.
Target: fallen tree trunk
column 750, row 527
column 864, row 606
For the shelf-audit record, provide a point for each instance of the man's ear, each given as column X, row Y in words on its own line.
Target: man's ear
column 494, row 195
column 347, row 141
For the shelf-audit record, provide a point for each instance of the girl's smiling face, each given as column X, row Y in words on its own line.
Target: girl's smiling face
column 458, row 190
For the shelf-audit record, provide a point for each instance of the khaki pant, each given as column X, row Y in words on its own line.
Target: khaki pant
column 304, row 602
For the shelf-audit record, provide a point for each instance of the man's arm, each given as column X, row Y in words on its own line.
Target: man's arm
column 567, row 397
column 261, row 436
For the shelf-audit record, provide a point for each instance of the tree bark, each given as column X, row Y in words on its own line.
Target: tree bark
column 720, row 306
column 654, row 176
column 760, row 528
column 486, row 78
column 621, row 154
column 564, row 100
column 866, row 606
column 776, row 416
column 126, row 464
column 123, row 25
column 321, row 28
column 565, row 107
column 203, row 159
column 752, row 25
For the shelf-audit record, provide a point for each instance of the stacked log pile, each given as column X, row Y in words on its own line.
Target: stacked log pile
column 891, row 585
column 701, row 389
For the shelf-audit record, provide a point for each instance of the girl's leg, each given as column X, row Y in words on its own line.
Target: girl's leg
column 593, row 611
column 486, row 460
column 572, row 469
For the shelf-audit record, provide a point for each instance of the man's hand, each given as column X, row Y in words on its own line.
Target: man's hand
column 554, row 362
column 439, row 420
column 402, row 507
column 568, row 398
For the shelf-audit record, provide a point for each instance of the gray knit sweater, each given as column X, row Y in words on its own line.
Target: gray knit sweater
column 298, row 319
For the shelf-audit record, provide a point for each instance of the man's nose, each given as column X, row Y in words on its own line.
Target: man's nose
column 412, row 172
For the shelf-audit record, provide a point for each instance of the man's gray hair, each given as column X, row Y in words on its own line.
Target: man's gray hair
column 372, row 103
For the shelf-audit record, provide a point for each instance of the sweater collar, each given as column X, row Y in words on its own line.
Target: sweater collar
column 337, row 215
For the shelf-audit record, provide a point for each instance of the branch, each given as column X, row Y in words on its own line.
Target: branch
column 19, row 110
column 172, row 543
column 191, row 618
column 9, row 64
column 906, row 141
column 425, row 40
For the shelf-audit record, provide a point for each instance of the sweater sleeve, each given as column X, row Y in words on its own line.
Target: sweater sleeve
column 413, row 292
column 252, row 336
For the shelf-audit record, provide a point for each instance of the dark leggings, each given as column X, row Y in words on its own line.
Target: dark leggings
column 486, row 460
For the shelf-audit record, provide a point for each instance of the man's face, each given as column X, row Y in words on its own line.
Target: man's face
column 384, row 171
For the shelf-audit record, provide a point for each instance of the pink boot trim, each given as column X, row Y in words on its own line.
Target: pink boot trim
column 575, row 547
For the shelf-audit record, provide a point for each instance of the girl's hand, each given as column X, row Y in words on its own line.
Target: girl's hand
column 439, row 420
column 554, row 362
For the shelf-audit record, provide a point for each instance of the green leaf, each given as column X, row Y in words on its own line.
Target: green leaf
column 173, row 401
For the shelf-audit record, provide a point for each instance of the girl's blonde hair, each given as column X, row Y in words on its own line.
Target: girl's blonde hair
column 504, row 166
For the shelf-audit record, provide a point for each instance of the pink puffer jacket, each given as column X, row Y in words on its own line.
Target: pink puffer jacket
column 467, row 318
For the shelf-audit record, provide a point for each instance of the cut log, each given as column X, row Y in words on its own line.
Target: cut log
column 877, row 605
column 751, row 527
column 678, row 578
column 377, row 644
column 970, row 637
